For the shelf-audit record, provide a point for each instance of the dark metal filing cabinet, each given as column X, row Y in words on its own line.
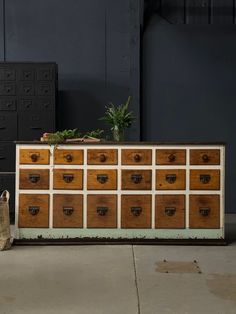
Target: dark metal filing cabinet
column 28, row 93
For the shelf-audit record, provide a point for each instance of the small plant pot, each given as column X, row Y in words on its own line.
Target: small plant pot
column 118, row 135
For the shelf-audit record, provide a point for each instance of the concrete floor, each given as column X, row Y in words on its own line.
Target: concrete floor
column 118, row 279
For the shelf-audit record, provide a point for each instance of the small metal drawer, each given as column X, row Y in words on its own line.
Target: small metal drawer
column 26, row 89
column 7, row 74
column 8, row 104
column 7, row 156
column 45, row 89
column 45, row 73
column 8, row 126
column 7, row 89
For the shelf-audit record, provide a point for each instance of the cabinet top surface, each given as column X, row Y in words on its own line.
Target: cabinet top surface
column 123, row 143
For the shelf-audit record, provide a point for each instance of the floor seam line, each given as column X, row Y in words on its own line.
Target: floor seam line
column 136, row 279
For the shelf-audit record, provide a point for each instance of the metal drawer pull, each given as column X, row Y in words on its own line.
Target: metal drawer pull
column 171, row 157
column 137, row 158
column 33, row 210
column 34, row 157
column 68, row 211
column 136, row 178
column 205, row 158
column 68, row 178
column 27, row 89
column 36, row 128
column 171, row 178
column 102, row 178
column 103, row 158
column 170, row 211
column 34, row 178
column 2, row 157
column 205, row 178
column 102, row 211
column 68, row 157
column 204, row 211
column 2, row 128
column 136, row 211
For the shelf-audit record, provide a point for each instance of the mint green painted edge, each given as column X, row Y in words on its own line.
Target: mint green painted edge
column 30, row 233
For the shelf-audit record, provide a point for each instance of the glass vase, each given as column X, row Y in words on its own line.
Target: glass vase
column 118, row 134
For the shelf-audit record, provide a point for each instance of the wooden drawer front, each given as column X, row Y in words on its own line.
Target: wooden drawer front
column 33, row 211
column 102, row 179
column 67, row 211
column 170, row 156
column 68, row 157
column 102, row 157
column 204, row 211
column 68, row 179
column 204, row 179
column 136, row 157
column 34, row 156
column 170, row 211
column 102, row 211
column 34, row 179
column 204, row 156
column 136, row 211
column 174, row 179
column 136, row 180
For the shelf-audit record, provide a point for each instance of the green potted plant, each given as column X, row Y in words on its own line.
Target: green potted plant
column 119, row 118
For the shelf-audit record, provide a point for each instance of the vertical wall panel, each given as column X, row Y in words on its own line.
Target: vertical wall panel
column 173, row 11
column 222, row 11
column 1, row 30
column 122, row 55
column 197, row 11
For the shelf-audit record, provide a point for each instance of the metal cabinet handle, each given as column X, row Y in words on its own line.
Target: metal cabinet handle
column 68, row 211
column 170, row 211
column 2, row 157
column 205, row 158
column 68, row 178
column 68, row 157
column 34, row 178
column 34, row 157
column 2, row 128
column 136, row 178
column 102, row 178
column 102, row 211
column 171, row 158
column 171, row 178
column 204, row 211
column 33, row 210
column 103, row 158
column 36, row 128
column 137, row 158
column 205, row 178
column 136, row 211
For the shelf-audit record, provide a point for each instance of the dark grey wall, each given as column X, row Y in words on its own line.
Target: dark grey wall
column 94, row 42
column 189, row 88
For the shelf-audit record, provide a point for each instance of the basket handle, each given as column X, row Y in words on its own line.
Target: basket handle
column 5, row 195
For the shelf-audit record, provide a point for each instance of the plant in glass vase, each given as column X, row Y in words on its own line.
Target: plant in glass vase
column 119, row 118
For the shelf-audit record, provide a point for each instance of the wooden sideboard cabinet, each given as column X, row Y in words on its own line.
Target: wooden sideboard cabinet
column 122, row 192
